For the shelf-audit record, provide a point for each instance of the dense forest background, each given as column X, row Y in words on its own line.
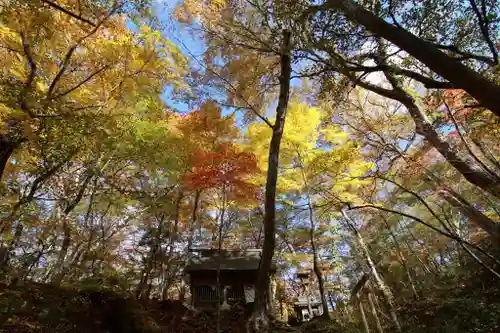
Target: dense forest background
column 353, row 138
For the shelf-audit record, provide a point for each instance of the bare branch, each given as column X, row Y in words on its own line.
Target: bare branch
column 229, row 84
column 485, row 29
column 467, row 146
column 68, row 12
column 72, row 49
column 88, row 78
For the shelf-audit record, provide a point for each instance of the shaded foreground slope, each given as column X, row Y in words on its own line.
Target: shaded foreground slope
column 45, row 308
column 37, row 308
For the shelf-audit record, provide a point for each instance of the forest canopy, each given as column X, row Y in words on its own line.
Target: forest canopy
column 354, row 139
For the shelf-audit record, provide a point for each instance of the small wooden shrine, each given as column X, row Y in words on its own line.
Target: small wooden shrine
column 307, row 305
column 237, row 274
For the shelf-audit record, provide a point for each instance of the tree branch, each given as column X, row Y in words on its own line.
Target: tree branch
column 72, row 49
column 229, row 84
column 465, row 55
column 485, row 31
column 88, row 78
column 31, row 76
column 68, row 12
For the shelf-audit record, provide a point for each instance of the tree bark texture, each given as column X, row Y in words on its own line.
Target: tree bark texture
column 384, row 289
column 482, row 89
column 373, row 310
column 7, row 147
column 477, row 177
column 259, row 311
column 316, row 268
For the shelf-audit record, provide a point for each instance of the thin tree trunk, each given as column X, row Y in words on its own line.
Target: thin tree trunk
column 373, row 310
column 375, row 301
column 194, row 219
column 219, row 253
column 475, row 216
column 425, row 267
column 37, row 183
column 143, row 292
column 479, row 162
column 75, row 259
column 59, row 270
column 481, row 179
column 487, row 153
column 479, row 261
column 316, row 268
column 32, row 264
column 457, row 201
column 483, row 90
column 363, row 315
column 148, row 267
column 259, row 312
column 330, row 300
column 173, row 236
column 386, row 293
column 401, row 258
column 12, row 245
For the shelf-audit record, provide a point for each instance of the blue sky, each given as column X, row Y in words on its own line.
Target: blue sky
column 174, row 31
column 185, row 41
column 192, row 47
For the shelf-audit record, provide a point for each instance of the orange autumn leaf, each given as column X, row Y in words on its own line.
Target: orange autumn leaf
column 227, row 168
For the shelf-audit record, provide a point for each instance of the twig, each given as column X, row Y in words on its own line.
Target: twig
column 68, row 12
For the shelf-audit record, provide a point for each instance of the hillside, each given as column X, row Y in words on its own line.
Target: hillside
column 37, row 308
column 44, row 308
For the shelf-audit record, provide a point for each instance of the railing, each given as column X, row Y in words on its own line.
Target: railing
column 208, row 294
column 235, row 295
column 205, row 294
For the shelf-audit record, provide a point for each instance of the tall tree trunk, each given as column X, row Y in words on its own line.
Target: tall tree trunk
column 373, row 310
column 259, row 311
column 384, row 289
column 144, row 287
column 173, row 236
column 7, row 252
column 142, row 291
column 316, row 268
column 474, row 215
column 481, row 179
column 363, row 315
column 219, row 258
column 485, row 91
column 402, row 258
column 60, row 270
column 62, row 253
column 194, row 219
column 312, row 230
